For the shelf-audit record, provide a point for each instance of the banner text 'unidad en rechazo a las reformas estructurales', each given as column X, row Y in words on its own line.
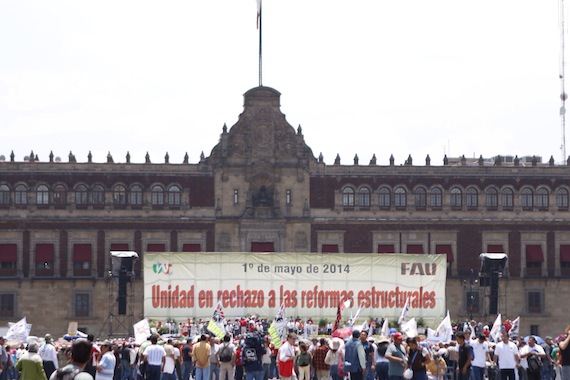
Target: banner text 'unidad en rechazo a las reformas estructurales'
column 181, row 285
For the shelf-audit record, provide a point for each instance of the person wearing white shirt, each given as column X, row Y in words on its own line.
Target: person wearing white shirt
column 481, row 355
column 532, row 355
column 49, row 356
column 507, row 356
column 287, row 357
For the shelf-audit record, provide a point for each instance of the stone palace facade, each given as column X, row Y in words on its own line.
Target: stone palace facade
column 263, row 189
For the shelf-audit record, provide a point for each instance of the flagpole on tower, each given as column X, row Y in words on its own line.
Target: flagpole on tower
column 260, row 53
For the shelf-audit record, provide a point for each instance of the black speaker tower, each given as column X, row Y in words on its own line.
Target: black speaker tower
column 492, row 267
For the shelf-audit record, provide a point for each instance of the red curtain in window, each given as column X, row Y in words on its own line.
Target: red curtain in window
column 262, row 246
column 329, row 248
column 495, row 248
column 8, row 253
column 534, row 254
column 445, row 249
column 119, row 247
column 191, row 248
column 155, row 248
column 565, row 253
column 81, row 253
column 414, row 248
column 44, row 253
column 386, row 248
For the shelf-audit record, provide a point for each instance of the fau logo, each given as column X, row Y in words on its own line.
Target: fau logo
column 159, row 268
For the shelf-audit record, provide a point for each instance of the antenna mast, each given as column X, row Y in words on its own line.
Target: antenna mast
column 563, row 95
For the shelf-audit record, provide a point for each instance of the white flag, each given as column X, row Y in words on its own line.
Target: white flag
column 355, row 318
column 142, row 331
column 496, row 329
column 514, row 331
column 410, row 328
column 444, row 330
column 18, row 331
column 365, row 326
column 404, row 311
column 386, row 328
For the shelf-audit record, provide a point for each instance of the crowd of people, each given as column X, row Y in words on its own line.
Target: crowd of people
column 250, row 354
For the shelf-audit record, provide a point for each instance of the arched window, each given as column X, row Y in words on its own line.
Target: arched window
column 420, row 198
column 157, row 195
column 364, row 197
column 42, row 195
column 98, row 195
column 21, row 195
column 542, row 198
column 456, row 198
column 4, row 195
column 120, row 195
column 384, row 197
column 435, row 198
column 526, row 198
column 59, row 195
column 471, row 198
column 174, row 196
column 348, row 197
column 507, row 198
column 81, row 195
column 562, row 198
column 491, row 198
column 400, row 198
column 136, row 196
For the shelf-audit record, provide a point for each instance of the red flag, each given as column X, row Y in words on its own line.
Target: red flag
column 337, row 317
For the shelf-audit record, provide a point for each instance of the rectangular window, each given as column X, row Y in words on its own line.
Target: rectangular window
column 191, row 247
column 7, row 305
column 262, row 247
column 534, row 257
column 288, row 197
column 329, row 248
column 534, row 301
column 565, row 256
column 82, row 304
column 534, row 330
column 445, row 249
column 495, row 248
column 236, row 197
column 8, row 259
column 82, row 259
column 155, row 248
column 386, row 248
column 44, row 259
column 414, row 248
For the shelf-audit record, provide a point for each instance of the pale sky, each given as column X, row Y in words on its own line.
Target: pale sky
column 361, row 76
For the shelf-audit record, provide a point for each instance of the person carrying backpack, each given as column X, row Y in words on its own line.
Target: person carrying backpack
column 252, row 352
column 226, row 356
column 354, row 357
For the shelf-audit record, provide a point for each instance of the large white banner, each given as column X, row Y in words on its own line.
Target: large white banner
column 182, row 285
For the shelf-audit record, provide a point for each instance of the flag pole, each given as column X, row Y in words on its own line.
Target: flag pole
column 260, row 55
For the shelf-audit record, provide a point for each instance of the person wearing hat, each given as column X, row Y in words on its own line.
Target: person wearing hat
column 481, row 355
column 380, row 362
column 30, row 365
column 106, row 365
column 333, row 356
column 49, row 356
column 397, row 358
